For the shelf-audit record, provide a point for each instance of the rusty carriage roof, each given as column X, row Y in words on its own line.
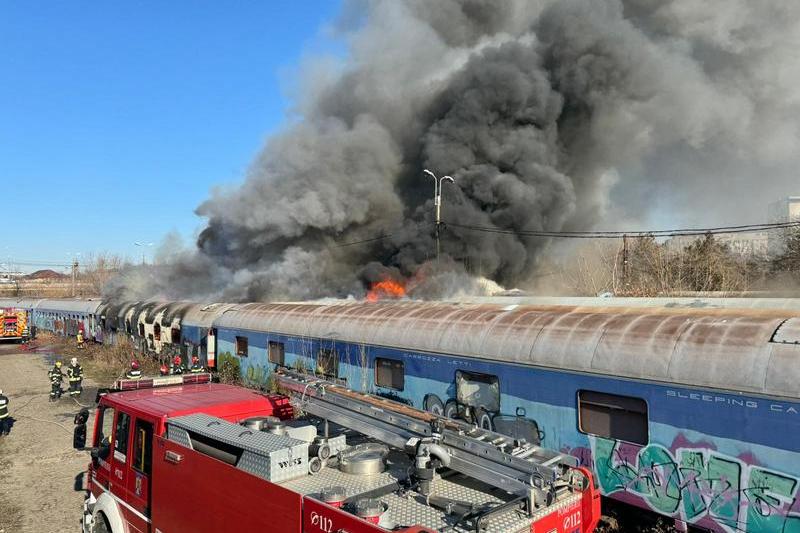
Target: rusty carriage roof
column 755, row 351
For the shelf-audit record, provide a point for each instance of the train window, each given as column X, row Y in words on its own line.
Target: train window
column 142, row 446
column 328, row 363
column 241, row 346
column 478, row 390
column 141, row 330
column 157, row 332
column 389, row 373
column 612, row 416
column 277, row 352
column 175, row 336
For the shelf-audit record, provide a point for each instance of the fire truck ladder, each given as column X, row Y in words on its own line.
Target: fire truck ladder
column 528, row 471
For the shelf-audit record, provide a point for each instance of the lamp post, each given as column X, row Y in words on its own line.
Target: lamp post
column 143, row 245
column 437, row 202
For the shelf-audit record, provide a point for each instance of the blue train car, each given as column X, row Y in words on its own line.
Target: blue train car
column 694, row 414
column 67, row 317
column 197, row 330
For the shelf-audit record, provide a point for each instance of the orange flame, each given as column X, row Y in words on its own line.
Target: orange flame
column 387, row 288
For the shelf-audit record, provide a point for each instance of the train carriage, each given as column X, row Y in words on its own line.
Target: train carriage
column 689, row 408
column 67, row 317
column 693, row 414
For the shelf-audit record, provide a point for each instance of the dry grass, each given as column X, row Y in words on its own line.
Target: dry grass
column 105, row 363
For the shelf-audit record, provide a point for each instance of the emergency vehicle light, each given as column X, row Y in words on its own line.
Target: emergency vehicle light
column 163, row 381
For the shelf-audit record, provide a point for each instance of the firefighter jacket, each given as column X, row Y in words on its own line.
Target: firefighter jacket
column 3, row 406
column 197, row 368
column 75, row 373
column 133, row 374
column 56, row 376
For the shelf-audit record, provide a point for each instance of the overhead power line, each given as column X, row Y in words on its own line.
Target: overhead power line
column 378, row 238
column 36, row 263
column 688, row 232
column 681, row 232
column 364, row 241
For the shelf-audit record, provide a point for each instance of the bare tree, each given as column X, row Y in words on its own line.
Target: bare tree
column 788, row 260
column 99, row 269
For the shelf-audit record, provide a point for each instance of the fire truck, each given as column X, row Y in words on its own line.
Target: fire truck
column 14, row 324
column 185, row 454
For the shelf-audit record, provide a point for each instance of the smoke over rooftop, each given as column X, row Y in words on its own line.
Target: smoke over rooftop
column 550, row 115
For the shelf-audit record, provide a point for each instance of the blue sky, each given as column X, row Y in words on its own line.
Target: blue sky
column 116, row 118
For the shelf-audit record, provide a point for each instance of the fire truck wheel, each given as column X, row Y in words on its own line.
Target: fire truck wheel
column 434, row 405
column 451, row 409
column 483, row 419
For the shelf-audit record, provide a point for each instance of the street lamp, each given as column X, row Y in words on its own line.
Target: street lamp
column 437, row 202
column 143, row 245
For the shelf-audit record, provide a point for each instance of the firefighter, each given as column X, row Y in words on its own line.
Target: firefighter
column 80, row 339
column 4, row 419
column 177, row 365
column 196, row 367
column 134, row 372
column 75, row 376
column 56, row 378
column 164, row 370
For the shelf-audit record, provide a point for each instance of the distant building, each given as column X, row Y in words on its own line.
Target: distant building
column 752, row 244
column 755, row 244
column 784, row 210
column 9, row 278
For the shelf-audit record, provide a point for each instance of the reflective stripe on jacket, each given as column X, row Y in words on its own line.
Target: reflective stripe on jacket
column 75, row 373
column 3, row 406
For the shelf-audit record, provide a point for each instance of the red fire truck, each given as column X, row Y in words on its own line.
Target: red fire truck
column 183, row 454
column 13, row 324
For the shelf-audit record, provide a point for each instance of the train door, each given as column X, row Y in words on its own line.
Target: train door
column 211, row 348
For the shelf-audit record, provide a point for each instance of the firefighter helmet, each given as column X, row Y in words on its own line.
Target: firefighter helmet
column 74, row 361
column 58, row 364
column 134, row 365
column 195, row 359
column 164, row 370
column 177, row 360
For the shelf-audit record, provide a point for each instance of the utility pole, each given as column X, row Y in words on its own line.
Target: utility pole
column 437, row 202
column 625, row 266
column 74, row 275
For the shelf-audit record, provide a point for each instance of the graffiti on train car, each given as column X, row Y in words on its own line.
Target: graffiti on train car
column 697, row 484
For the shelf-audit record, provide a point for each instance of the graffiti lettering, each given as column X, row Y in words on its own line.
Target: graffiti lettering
column 699, row 484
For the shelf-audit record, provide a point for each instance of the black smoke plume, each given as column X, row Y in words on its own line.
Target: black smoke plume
column 550, row 115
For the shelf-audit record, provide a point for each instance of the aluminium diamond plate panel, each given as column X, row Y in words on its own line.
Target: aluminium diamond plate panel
column 272, row 457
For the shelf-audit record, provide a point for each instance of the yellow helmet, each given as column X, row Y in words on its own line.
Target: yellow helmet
column 58, row 363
